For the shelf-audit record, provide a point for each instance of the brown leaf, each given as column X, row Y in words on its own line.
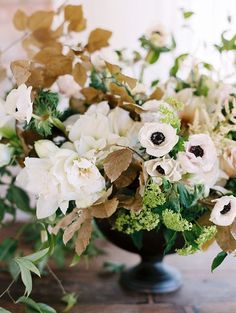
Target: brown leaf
column 127, row 177
column 3, row 73
column 117, row 162
column 233, row 229
column 105, row 209
column 91, row 94
column 20, row 20
column 40, row 19
column 21, row 71
column 84, row 236
column 133, row 203
column 132, row 107
column 74, row 14
column 98, row 39
column 113, row 68
column 65, row 221
column 80, row 74
column 75, row 225
column 157, row 94
column 131, row 82
column 120, row 91
column 225, row 239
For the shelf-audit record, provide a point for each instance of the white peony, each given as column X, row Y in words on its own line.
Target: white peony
column 5, row 154
column 7, row 123
column 58, row 176
column 158, row 139
column 200, row 160
column 166, row 167
column 18, row 103
column 224, row 211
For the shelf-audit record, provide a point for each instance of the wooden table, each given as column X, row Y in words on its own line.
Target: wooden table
column 202, row 292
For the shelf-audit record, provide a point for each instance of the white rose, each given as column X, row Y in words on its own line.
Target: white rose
column 159, row 168
column 228, row 161
column 68, row 87
column 152, row 108
column 5, row 154
column 18, row 103
column 158, row 139
column 7, row 123
column 59, row 176
column 224, row 211
column 200, row 160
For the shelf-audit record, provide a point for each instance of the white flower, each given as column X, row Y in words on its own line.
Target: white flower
column 228, row 160
column 158, row 35
column 200, row 159
column 98, row 58
column 139, row 89
column 152, row 108
column 224, row 211
column 166, row 167
column 5, row 154
column 7, row 123
column 18, row 103
column 59, row 176
column 68, row 87
column 158, row 139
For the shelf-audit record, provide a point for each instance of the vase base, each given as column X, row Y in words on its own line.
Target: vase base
column 148, row 277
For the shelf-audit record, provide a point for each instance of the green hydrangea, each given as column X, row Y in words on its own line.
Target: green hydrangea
column 186, row 250
column 178, row 105
column 169, row 116
column 207, row 234
column 153, row 195
column 174, row 221
column 130, row 222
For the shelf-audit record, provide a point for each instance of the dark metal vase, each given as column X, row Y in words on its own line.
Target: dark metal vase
column 151, row 275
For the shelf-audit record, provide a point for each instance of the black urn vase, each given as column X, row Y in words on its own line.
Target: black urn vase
column 151, row 275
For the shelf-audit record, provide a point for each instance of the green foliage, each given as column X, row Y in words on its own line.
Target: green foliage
column 7, row 249
column 70, row 299
column 153, row 195
column 19, row 198
column 45, row 113
column 97, row 81
column 175, row 221
column 189, row 196
column 169, row 117
column 130, row 222
column 218, row 260
column 178, row 61
column 187, row 14
column 113, row 267
column 226, row 44
column 2, row 310
column 178, row 147
column 175, row 103
column 33, row 307
column 137, row 238
column 202, row 88
column 170, row 238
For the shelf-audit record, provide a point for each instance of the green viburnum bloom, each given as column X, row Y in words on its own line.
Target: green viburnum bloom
column 130, row 222
column 169, row 117
column 153, row 196
column 178, row 105
column 188, row 249
column 174, row 221
column 208, row 232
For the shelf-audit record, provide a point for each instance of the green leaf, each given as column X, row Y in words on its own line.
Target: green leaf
column 26, row 279
column 7, row 249
column 34, row 307
column 218, row 260
column 23, row 262
column 14, row 269
column 113, row 267
column 178, row 62
column 137, row 238
column 152, row 56
column 170, row 237
column 37, row 255
column 19, row 197
column 2, row 310
column 70, row 299
column 187, row 14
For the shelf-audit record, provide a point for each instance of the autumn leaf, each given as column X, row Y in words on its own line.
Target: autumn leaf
column 133, row 203
column 120, row 91
column 65, row 221
column 98, row 39
column 40, row 19
column 74, row 14
column 117, row 162
column 128, row 176
column 106, row 209
column 83, row 237
column 75, row 225
column 21, row 71
column 20, row 20
column 80, row 74
column 113, row 68
column 225, row 239
column 157, row 94
column 131, row 82
column 3, row 73
column 132, row 107
column 91, row 94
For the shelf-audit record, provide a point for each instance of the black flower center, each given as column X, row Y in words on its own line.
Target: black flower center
column 157, row 138
column 197, row 151
column 226, row 208
column 160, row 170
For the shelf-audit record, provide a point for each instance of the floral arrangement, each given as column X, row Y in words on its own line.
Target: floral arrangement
column 92, row 142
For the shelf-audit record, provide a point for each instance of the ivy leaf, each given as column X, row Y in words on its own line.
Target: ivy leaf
column 70, row 299
column 218, row 260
